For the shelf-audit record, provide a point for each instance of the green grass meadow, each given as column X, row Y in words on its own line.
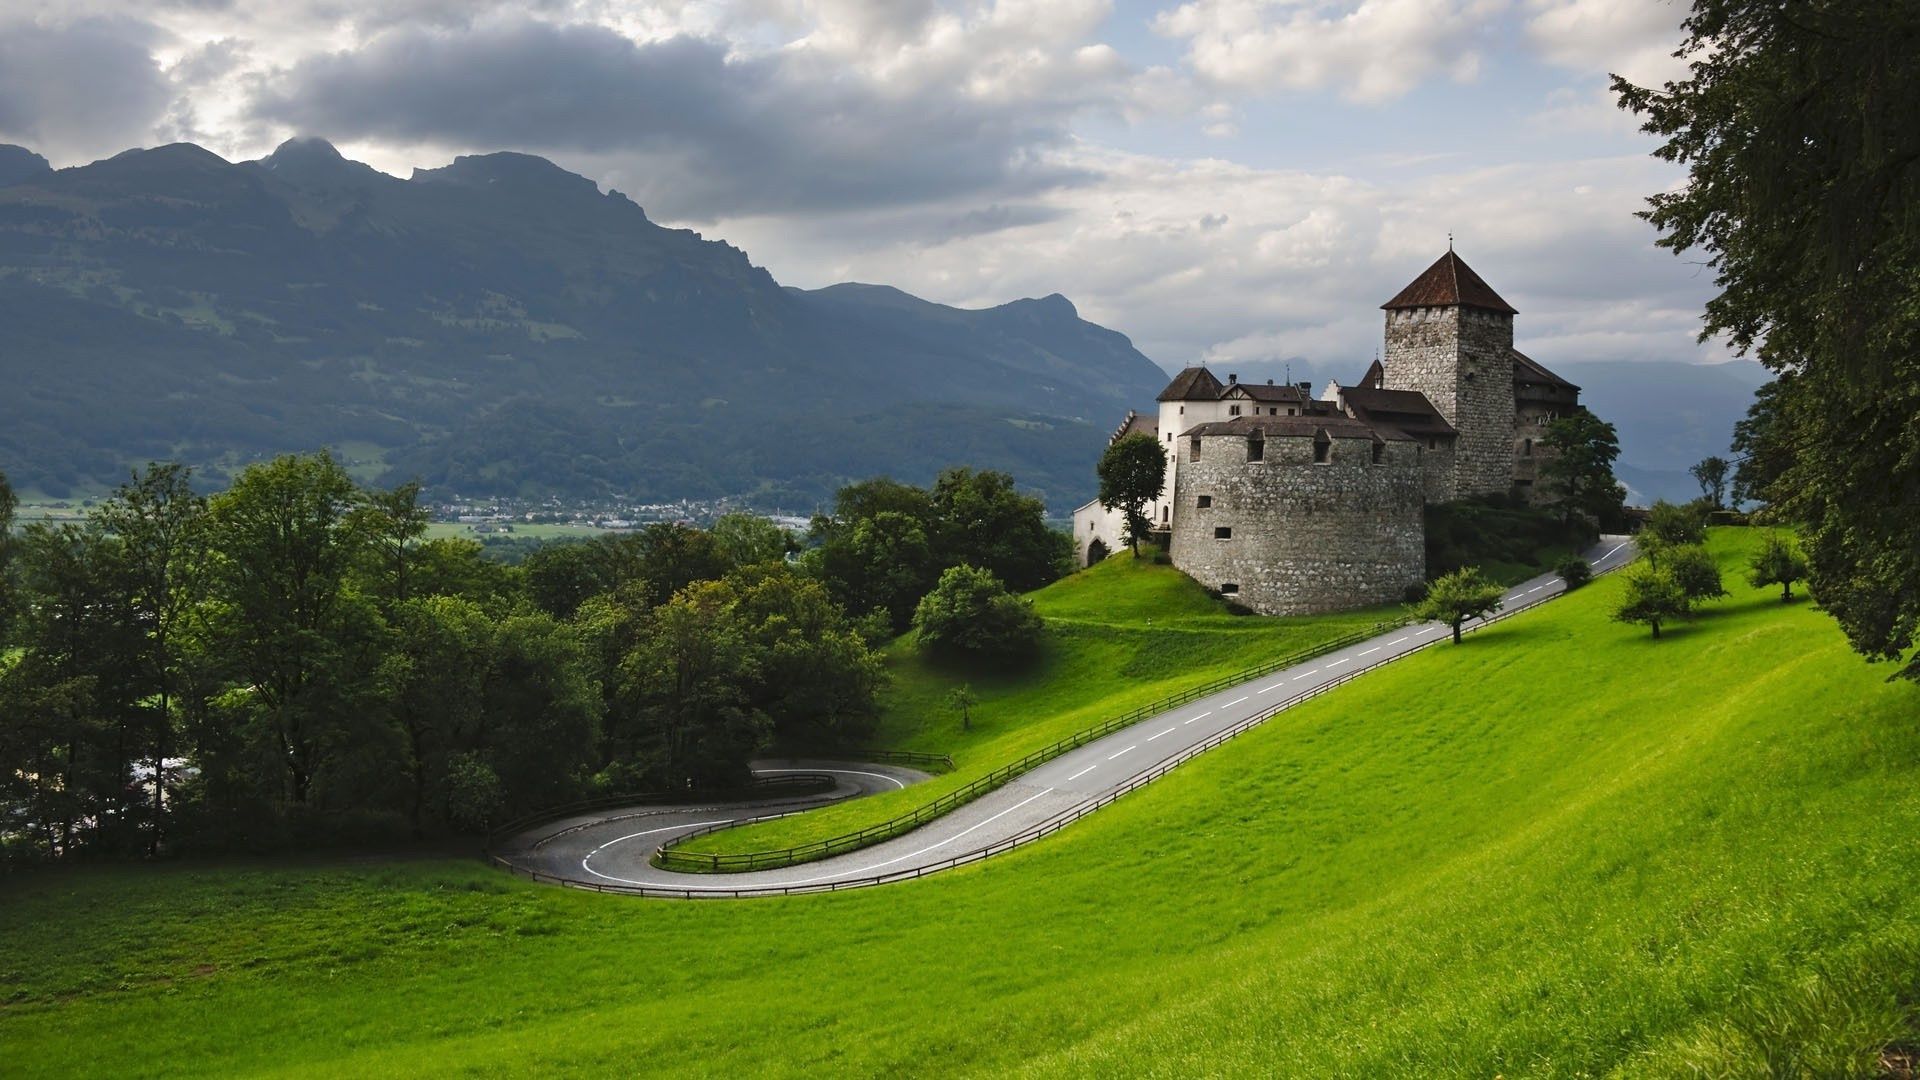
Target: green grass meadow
column 1120, row 634
column 1560, row 850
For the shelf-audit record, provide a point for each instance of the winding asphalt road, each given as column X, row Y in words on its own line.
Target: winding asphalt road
column 611, row 849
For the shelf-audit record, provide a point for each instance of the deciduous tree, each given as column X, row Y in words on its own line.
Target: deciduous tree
column 1651, row 598
column 1711, row 474
column 1578, row 471
column 1454, row 598
column 1797, row 126
column 1778, row 562
column 1133, row 472
column 970, row 612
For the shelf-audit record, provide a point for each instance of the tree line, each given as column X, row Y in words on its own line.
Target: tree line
column 292, row 660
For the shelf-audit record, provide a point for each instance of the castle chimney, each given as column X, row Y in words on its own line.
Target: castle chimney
column 1232, row 378
column 1306, row 388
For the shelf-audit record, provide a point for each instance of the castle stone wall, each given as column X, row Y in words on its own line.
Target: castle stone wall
column 1306, row 537
column 1461, row 358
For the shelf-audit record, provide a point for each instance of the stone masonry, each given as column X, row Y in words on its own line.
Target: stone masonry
column 1300, row 536
column 1461, row 358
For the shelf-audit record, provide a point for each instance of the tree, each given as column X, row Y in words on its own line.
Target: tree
column 961, row 699
column 1797, row 128
column 1454, row 598
column 970, row 612
column 1672, row 525
column 1652, row 597
column 983, row 521
column 432, row 678
column 746, row 539
column 393, row 523
column 285, row 539
column 1711, row 474
column 674, row 556
column 686, row 686
column 161, row 526
column 814, row 673
column 1778, row 562
column 1694, row 571
column 881, row 563
column 1133, row 472
column 1578, row 470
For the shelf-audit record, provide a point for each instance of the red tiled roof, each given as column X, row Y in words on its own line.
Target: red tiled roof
column 1449, row 282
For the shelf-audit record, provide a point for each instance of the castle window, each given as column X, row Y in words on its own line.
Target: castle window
column 1379, row 453
column 1290, row 412
column 1433, row 444
column 1163, row 514
column 1529, row 447
column 1203, row 501
column 1256, row 448
column 1233, row 410
column 1193, row 448
column 1322, row 449
column 1223, row 533
column 1228, row 588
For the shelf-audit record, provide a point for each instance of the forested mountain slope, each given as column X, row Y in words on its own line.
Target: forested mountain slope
column 495, row 326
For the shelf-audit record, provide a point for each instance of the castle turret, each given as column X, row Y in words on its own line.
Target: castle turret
column 1450, row 337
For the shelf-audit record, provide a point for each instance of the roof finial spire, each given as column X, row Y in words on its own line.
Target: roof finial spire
column 1449, row 240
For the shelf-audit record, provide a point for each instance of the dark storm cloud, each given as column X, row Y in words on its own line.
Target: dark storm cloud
column 90, row 86
column 704, row 135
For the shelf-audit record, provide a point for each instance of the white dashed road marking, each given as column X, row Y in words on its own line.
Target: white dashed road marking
column 1234, row 702
column 1169, row 731
column 1122, row 752
column 1084, row 771
column 1304, row 674
column 1203, row 715
column 1371, row 651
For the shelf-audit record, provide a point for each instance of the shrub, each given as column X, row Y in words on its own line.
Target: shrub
column 969, row 611
column 1575, row 571
column 1414, row 593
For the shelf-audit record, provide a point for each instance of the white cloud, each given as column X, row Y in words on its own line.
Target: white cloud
column 1210, row 259
column 1632, row 38
column 1371, row 51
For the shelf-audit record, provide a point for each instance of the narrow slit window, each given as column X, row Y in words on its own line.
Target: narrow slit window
column 1379, row 453
column 1256, row 449
column 1322, row 450
column 1193, row 448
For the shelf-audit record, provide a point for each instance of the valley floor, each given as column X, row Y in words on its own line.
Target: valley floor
column 1562, row 849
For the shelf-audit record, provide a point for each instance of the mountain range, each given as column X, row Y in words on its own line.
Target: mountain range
column 501, row 326
column 497, row 326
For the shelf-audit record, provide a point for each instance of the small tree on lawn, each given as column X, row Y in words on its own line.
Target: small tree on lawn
column 1778, row 562
column 969, row 611
column 1672, row 525
column 1459, row 596
column 962, row 700
column 1133, row 472
column 1694, row 570
column 1652, row 597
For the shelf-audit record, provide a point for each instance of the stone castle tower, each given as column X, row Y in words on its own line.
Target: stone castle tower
column 1450, row 337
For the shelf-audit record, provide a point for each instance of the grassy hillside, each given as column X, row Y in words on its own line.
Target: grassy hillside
column 1120, row 634
column 1562, row 849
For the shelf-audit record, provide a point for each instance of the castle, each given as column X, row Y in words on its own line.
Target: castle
column 1291, row 503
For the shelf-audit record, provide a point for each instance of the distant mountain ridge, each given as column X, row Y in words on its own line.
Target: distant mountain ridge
column 498, row 325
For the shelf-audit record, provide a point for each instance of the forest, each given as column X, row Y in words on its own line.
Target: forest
column 290, row 662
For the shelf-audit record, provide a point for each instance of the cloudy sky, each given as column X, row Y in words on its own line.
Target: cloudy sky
column 1223, row 180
